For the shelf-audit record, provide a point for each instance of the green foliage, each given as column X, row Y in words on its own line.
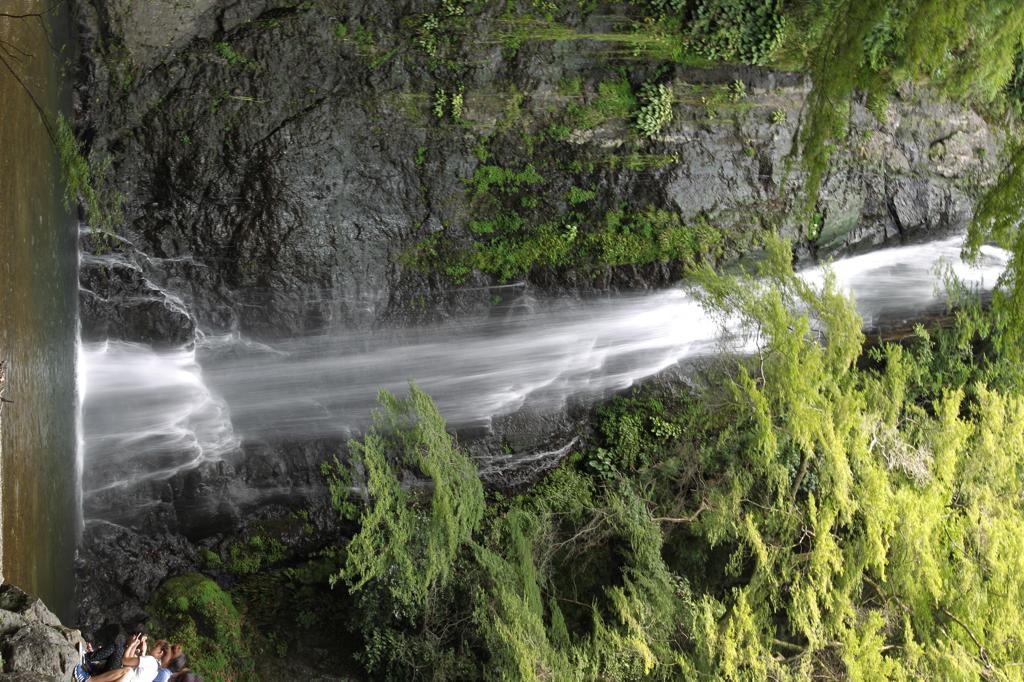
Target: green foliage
column 252, row 554
column 571, row 87
column 738, row 90
column 1015, row 86
column 339, row 483
column 211, row 559
column 85, row 181
column 440, row 103
column 231, row 56
column 427, row 35
column 835, row 70
column 745, row 31
column 655, row 110
column 407, row 545
column 635, row 429
column 454, row 7
column 636, row 161
column 547, row 244
column 193, row 611
column 662, row 7
column 649, row 236
column 997, row 220
column 503, row 223
column 510, row 246
column 614, row 100
column 489, row 178
column 457, row 103
column 511, row 612
column 809, row 513
column 652, row 40
column 965, row 47
column 578, row 195
column 840, row 496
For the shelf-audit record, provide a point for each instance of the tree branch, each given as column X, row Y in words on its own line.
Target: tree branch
column 804, row 465
column 35, row 102
column 982, row 652
column 685, row 519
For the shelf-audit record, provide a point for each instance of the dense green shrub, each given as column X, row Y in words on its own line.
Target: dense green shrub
column 997, row 220
column 745, row 31
column 406, row 544
column 614, row 99
column 544, row 245
column 649, row 236
column 578, row 195
column 503, row 223
column 811, row 513
column 253, row 553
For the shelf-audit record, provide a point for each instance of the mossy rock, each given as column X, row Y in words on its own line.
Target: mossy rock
column 194, row 611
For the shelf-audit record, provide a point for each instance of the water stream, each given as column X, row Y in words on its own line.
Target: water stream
column 38, row 313
column 150, row 414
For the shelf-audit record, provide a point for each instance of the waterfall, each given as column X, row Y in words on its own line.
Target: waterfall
column 149, row 414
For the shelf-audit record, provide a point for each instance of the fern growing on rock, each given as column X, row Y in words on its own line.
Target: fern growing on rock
column 655, row 109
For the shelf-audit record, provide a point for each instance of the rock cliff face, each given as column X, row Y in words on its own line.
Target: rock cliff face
column 278, row 159
column 34, row 645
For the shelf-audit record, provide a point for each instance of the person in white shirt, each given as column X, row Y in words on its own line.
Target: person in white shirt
column 138, row 665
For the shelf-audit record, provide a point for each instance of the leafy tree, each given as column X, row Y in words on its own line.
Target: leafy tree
column 405, row 543
column 814, row 512
column 998, row 219
column 967, row 48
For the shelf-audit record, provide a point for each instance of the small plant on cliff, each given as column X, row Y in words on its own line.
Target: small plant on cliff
column 737, row 91
column 454, row 8
column 427, row 35
column 232, row 56
column 440, row 101
column 84, row 180
column 578, row 195
column 655, row 109
column 457, row 103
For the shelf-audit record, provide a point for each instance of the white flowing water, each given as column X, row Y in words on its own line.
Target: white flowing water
column 149, row 414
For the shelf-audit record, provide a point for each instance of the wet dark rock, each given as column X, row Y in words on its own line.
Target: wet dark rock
column 275, row 189
column 117, row 301
column 118, row 569
column 34, row 645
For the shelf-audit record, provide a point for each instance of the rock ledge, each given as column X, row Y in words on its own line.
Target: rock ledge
column 34, row 645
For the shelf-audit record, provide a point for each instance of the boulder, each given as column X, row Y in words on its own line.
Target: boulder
column 34, row 645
